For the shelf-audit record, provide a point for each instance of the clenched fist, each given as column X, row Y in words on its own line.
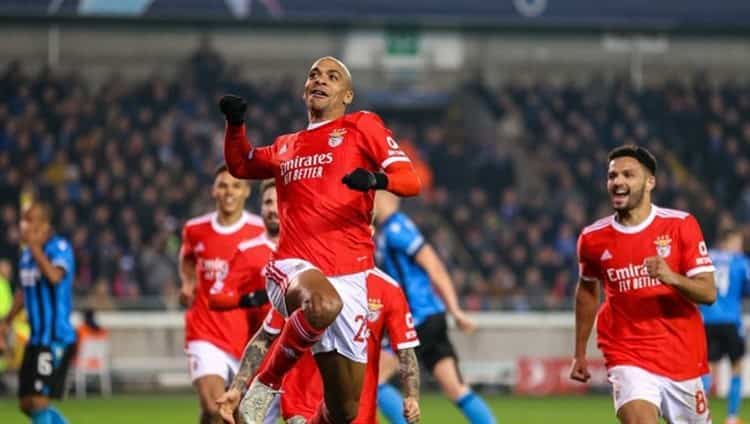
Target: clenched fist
column 233, row 107
column 658, row 268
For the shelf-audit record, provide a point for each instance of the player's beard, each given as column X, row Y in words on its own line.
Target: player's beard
column 272, row 225
column 635, row 199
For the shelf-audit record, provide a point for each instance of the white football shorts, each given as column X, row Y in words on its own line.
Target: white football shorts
column 679, row 402
column 204, row 358
column 348, row 333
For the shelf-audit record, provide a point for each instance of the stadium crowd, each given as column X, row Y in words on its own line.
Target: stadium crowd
column 125, row 163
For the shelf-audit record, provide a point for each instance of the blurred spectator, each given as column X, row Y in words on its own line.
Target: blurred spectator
column 123, row 162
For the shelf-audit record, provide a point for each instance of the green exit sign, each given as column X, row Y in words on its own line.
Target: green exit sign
column 402, row 43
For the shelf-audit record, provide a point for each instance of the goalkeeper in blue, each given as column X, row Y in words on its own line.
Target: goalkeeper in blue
column 403, row 253
column 723, row 319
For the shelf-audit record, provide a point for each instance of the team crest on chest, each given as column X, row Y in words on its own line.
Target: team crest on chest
column 336, row 137
column 663, row 246
column 373, row 306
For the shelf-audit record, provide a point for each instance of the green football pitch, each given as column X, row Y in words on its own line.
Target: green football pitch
column 182, row 408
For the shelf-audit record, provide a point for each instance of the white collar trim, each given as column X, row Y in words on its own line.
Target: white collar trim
column 632, row 229
column 313, row 125
column 228, row 229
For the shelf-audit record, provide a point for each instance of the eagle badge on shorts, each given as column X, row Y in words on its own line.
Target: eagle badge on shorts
column 336, row 137
column 663, row 246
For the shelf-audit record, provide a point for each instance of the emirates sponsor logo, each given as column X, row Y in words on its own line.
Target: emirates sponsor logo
column 631, row 277
column 304, row 167
column 213, row 269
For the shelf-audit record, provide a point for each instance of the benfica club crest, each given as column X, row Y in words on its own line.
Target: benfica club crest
column 336, row 137
column 374, row 306
column 663, row 246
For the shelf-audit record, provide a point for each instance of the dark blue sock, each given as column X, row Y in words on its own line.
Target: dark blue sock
column 474, row 409
column 48, row 415
column 391, row 404
column 707, row 382
column 734, row 396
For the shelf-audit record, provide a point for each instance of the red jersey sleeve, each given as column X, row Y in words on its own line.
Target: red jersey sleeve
column 399, row 322
column 694, row 258
column 274, row 322
column 588, row 269
column 245, row 161
column 379, row 145
column 186, row 246
column 382, row 149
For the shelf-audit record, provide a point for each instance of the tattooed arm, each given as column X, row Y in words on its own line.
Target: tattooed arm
column 255, row 351
column 409, row 371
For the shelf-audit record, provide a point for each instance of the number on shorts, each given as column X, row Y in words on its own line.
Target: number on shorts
column 44, row 363
column 361, row 336
column 700, row 402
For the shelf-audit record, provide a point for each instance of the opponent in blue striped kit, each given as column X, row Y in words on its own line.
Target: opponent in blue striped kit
column 403, row 253
column 46, row 271
column 723, row 320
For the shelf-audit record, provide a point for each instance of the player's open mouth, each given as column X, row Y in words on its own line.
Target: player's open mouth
column 318, row 93
column 619, row 195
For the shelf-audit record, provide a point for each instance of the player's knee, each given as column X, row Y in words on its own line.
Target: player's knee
column 30, row 404
column 321, row 309
column 346, row 412
column 25, row 406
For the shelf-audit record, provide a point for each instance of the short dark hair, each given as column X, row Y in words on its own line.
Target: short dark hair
column 643, row 156
column 728, row 232
column 220, row 169
column 44, row 207
column 266, row 184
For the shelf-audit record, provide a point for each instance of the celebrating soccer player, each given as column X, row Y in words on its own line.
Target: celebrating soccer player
column 214, row 339
column 47, row 267
column 302, row 389
column 404, row 254
column 325, row 178
column 723, row 319
column 655, row 268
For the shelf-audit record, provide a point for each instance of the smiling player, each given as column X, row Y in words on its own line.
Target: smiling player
column 326, row 176
column 655, row 268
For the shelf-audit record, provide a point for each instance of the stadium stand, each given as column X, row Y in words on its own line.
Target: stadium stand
column 126, row 162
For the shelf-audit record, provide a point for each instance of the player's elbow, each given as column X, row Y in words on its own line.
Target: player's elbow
column 236, row 168
column 710, row 296
column 56, row 277
column 221, row 302
column 412, row 187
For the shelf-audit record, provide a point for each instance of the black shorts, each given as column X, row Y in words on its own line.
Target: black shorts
column 434, row 344
column 44, row 369
column 724, row 339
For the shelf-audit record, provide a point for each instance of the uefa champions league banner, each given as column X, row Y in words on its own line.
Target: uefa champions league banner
column 664, row 14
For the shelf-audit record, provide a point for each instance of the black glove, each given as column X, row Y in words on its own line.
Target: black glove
column 254, row 299
column 233, row 107
column 363, row 180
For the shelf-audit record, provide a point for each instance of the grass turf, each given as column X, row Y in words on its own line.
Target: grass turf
column 182, row 408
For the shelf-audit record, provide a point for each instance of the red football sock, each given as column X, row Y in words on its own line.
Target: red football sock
column 321, row 415
column 297, row 337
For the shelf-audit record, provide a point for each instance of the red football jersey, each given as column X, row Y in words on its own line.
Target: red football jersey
column 212, row 246
column 642, row 321
column 302, row 387
column 388, row 310
column 245, row 276
column 322, row 220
